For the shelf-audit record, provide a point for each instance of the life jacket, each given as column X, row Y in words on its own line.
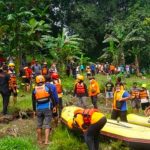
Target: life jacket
column 58, row 86
column 87, row 114
column 112, row 68
column 12, row 81
column 143, row 94
column 135, row 93
column 41, row 93
column 27, row 74
column 80, row 88
column 44, row 71
column 93, row 88
column 117, row 96
column 88, row 70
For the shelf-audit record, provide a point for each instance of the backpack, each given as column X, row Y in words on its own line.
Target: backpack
column 58, row 86
column 80, row 88
column 87, row 115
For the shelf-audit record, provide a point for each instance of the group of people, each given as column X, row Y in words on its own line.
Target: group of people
column 100, row 68
column 48, row 92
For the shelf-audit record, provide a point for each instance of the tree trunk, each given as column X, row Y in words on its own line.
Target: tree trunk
column 137, row 65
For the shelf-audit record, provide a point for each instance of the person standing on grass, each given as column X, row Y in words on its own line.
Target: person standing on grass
column 80, row 91
column 120, row 104
column 57, row 82
column 144, row 97
column 109, row 91
column 42, row 101
column 93, row 91
column 4, row 89
column 135, row 98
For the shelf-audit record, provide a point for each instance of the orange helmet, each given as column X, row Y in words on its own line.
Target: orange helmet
column 54, row 76
column 39, row 79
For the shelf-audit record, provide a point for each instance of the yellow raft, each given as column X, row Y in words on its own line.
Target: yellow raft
column 138, row 137
column 139, row 120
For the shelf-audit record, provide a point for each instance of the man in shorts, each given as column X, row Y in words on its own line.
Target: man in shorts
column 43, row 101
column 135, row 99
column 109, row 91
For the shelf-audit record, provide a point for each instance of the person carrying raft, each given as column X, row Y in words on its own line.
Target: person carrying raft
column 90, row 122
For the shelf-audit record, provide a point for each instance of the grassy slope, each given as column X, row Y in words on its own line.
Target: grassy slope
column 62, row 139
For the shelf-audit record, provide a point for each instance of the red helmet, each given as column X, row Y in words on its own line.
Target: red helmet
column 54, row 76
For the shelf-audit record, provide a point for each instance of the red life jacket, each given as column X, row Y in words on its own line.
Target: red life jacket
column 41, row 93
column 58, row 86
column 80, row 88
column 87, row 114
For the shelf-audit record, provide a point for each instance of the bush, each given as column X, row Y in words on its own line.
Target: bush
column 19, row 143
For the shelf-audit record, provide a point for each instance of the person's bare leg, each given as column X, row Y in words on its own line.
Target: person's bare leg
column 39, row 135
column 47, row 131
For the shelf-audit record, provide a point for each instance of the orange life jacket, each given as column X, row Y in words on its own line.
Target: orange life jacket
column 135, row 94
column 12, row 81
column 87, row 114
column 80, row 88
column 112, row 68
column 93, row 88
column 58, row 86
column 143, row 94
column 41, row 93
column 44, row 71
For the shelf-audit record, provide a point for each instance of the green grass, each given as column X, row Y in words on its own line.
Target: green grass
column 17, row 143
column 62, row 138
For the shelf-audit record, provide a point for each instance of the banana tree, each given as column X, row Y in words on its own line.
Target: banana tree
column 63, row 47
column 121, row 39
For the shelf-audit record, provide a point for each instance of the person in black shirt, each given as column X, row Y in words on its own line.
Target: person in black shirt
column 4, row 89
column 109, row 90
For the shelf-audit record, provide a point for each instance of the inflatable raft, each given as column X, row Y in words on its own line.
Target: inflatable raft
column 139, row 120
column 138, row 137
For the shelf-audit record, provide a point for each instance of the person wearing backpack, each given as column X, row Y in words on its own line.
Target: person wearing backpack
column 93, row 91
column 90, row 122
column 57, row 82
column 43, row 101
column 80, row 91
column 27, row 77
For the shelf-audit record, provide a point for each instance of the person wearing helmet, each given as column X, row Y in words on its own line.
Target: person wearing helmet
column 80, row 91
column 144, row 97
column 12, row 81
column 57, row 82
column 4, row 89
column 49, row 84
column 43, row 102
column 93, row 91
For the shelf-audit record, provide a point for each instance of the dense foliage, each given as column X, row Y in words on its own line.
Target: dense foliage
column 114, row 30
